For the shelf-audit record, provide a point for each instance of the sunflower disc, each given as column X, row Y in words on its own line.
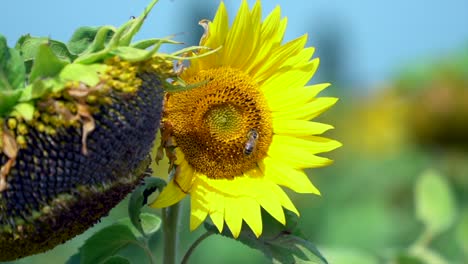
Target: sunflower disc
column 55, row 192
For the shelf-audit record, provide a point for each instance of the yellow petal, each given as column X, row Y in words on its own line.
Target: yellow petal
column 233, row 215
column 277, row 57
column 252, row 215
column 170, row 195
column 289, row 97
column 239, row 40
column 198, row 206
column 307, row 111
column 285, row 79
column 217, row 30
column 213, row 198
column 298, row 127
column 284, row 199
column 270, row 39
column 284, row 175
column 303, row 57
column 271, row 204
column 296, row 157
column 184, row 177
column 312, row 144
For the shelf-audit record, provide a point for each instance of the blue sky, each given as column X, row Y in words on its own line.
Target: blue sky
column 364, row 41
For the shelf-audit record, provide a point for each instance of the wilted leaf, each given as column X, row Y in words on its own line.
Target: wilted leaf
column 149, row 223
column 105, row 243
column 435, row 204
column 281, row 244
column 139, row 198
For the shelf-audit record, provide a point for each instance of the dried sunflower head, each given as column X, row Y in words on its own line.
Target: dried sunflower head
column 77, row 123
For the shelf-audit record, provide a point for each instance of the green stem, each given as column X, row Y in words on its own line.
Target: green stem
column 194, row 245
column 171, row 223
column 424, row 239
column 144, row 245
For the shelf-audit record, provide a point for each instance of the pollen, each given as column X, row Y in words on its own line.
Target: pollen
column 212, row 123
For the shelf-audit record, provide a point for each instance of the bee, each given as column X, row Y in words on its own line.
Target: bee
column 251, row 143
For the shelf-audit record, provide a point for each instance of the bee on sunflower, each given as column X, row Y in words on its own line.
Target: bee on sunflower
column 246, row 130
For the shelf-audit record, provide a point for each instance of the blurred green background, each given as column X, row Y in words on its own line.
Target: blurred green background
column 400, row 69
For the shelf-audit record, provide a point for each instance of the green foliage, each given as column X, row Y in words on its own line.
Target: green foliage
column 11, row 67
column 427, row 256
column 349, row 256
column 139, row 198
column 12, row 76
column 435, row 204
column 40, row 65
column 136, row 229
column 117, row 260
column 46, row 64
column 462, row 232
column 87, row 74
column 105, row 243
column 90, row 39
column 148, row 223
column 408, row 259
column 280, row 244
column 29, row 48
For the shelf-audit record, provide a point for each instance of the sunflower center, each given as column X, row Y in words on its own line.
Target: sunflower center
column 223, row 127
column 224, row 121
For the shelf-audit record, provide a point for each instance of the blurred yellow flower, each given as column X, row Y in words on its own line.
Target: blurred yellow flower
column 246, row 131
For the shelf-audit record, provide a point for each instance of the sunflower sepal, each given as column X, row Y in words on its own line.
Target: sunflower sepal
column 279, row 243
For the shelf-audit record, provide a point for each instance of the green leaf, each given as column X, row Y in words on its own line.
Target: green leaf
column 435, row 204
column 408, row 259
column 146, row 43
column 462, row 232
column 116, row 260
column 139, row 198
column 8, row 99
column 29, row 47
column 281, row 244
column 12, row 70
column 149, row 223
column 135, row 25
column 90, row 39
column 427, row 256
column 40, row 88
column 105, row 243
column 349, row 256
column 88, row 74
column 46, row 64
column 133, row 54
column 25, row 110
column 74, row 259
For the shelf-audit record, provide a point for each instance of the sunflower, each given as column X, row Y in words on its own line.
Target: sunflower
column 246, row 131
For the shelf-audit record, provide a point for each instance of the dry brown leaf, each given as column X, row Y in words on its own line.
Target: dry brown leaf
column 88, row 124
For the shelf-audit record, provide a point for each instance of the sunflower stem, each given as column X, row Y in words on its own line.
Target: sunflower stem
column 171, row 222
column 194, row 245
